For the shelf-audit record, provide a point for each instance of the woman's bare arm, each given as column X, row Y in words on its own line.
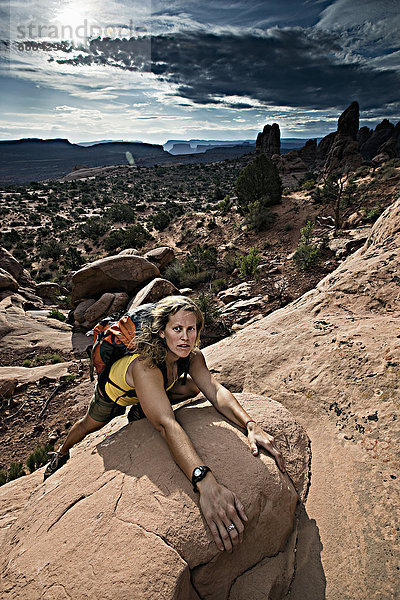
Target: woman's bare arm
column 219, row 505
column 225, row 402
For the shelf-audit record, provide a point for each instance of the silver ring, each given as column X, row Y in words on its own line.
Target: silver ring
column 231, row 527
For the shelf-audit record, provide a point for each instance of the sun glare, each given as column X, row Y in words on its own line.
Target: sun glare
column 75, row 19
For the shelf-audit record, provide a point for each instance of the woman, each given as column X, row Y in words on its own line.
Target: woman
column 152, row 377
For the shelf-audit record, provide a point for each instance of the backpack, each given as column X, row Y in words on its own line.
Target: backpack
column 113, row 339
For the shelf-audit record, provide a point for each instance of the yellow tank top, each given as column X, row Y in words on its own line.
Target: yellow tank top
column 116, row 385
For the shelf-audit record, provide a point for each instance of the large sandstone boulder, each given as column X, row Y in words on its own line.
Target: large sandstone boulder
column 50, row 290
column 120, row 520
column 161, row 257
column 155, row 290
column 99, row 308
column 24, row 375
column 112, row 274
column 7, row 281
column 331, row 357
column 11, row 265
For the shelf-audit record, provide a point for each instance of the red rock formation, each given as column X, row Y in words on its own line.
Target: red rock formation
column 269, row 141
column 120, row 520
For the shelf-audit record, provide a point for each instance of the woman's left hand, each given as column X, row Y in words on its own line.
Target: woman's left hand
column 258, row 437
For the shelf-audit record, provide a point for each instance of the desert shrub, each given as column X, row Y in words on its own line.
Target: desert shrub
column 307, row 253
column 39, row 457
column 387, row 173
column 114, row 240
column 204, row 256
column 73, row 259
column 225, row 205
column 121, row 213
column 51, row 249
column 19, row 253
column 93, row 229
column 133, row 237
column 43, row 359
column 248, row 264
column 160, row 220
column 9, row 238
column 15, row 471
column 217, row 285
column 259, row 217
column 372, row 214
column 210, row 312
column 260, row 181
column 229, row 263
column 174, row 273
column 308, row 184
column 57, row 314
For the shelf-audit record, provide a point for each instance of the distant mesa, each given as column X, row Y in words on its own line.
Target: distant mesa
column 348, row 146
column 179, row 147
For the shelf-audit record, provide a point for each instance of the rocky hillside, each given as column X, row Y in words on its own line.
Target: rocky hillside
column 332, row 358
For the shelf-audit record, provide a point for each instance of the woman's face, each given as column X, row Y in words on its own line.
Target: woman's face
column 180, row 333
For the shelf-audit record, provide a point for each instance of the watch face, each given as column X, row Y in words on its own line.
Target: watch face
column 197, row 472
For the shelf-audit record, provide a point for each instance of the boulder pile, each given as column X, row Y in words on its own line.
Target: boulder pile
column 110, row 285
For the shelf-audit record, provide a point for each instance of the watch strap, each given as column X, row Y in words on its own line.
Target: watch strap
column 198, row 474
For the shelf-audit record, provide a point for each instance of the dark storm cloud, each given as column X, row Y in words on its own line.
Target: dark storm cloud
column 289, row 67
column 242, row 13
column 286, row 67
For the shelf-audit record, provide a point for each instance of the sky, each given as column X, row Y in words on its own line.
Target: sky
column 189, row 69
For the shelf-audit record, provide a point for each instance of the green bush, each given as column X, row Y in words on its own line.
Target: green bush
column 248, row 264
column 161, row 220
column 93, row 229
column 259, row 181
column 120, row 213
column 217, row 285
column 372, row 214
column 51, row 249
column 174, row 272
column 133, row 237
column 39, row 457
column 309, row 184
column 259, row 217
column 307, row 253
column 225, row 205
column 15, row 471
column 73, row 259
column 56, row 314
column 210, row 312
column 9, row 238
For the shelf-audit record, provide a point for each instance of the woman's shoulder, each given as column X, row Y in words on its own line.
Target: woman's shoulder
column 144, row 365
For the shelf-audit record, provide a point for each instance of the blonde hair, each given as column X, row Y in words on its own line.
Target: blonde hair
column 148, row 342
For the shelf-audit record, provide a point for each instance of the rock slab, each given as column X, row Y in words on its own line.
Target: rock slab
column 331, row 357
column 120, row 520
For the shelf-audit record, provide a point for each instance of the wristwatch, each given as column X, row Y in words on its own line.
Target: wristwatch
column 198, row 474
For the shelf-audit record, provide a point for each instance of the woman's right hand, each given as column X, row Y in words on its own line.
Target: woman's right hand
column 222, row 509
